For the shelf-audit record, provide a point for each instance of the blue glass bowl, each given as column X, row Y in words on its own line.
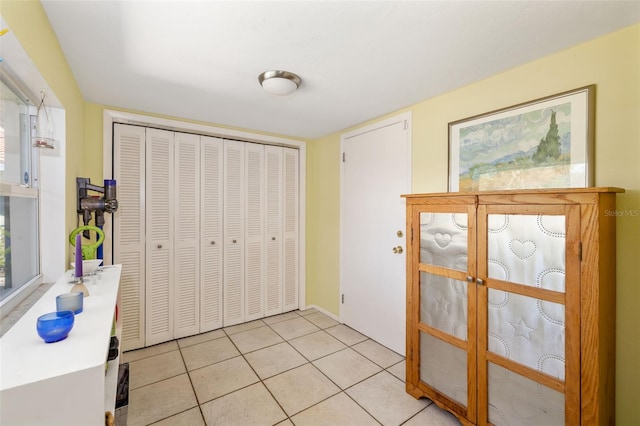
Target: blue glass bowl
column 55, row 326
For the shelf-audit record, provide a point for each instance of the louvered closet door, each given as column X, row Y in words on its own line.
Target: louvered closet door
column 186, row 282
column 233, row 288
column 273, row 228
column 290, row 225
column 211, row 233
column 254, row 232
column 129, row 230
column 160, row 235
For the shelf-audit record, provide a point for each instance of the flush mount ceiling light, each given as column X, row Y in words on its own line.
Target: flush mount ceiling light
column 279, row 82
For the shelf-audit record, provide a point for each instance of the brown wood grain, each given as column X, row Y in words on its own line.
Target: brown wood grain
column 589, row 298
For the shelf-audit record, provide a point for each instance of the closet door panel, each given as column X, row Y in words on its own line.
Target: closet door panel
column 211, row 179
column 187, row 235
column 129, row 230
column 234, row 214
column 160, row 235
column 273, row 228
column 254, row 232
column 290, row 227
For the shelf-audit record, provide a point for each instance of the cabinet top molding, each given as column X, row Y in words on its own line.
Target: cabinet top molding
column 558, row 191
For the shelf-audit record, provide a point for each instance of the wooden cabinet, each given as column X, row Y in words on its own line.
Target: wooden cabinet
column 511, row 304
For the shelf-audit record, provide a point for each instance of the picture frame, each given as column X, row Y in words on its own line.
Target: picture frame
column 544, row 143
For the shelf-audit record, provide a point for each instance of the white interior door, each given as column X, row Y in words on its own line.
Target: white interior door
column 375, row 172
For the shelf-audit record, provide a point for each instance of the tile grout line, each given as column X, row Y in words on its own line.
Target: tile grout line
column 257, row 375
column 311, row 362
column 191, row 383
column 228, row 335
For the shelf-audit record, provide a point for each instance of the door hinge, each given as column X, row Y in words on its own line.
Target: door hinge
column 343, row 298
column 580, row 251
column 411, row 235
column 344, row 157
column 406, row 125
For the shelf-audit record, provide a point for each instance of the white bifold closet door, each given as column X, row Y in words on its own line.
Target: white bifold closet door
column 129, row 230
column 281, row 229
column 160, row 236
column 273, row 229
column 290, row 228
column 211, row 242
column 233, row 248
column 254, row 277
column 207, row 232
column 186, row 277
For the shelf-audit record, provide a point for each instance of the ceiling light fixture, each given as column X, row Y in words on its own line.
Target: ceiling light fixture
column 279, row 82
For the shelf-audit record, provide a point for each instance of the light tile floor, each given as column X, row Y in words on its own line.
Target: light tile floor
column 298, row 368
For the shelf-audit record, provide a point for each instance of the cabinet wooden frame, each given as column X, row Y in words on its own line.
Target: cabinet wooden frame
column 589, row 298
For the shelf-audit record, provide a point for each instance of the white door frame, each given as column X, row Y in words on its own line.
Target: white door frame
column 111, row 116
column 406, row 116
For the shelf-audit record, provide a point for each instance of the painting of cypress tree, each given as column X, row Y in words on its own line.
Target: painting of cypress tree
column 545, row 143
column 549, row 147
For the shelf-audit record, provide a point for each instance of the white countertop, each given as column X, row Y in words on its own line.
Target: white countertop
column 25, row 358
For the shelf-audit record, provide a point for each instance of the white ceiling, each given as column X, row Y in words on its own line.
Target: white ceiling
column 358, row 60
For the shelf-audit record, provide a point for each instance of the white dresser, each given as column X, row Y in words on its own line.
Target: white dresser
column 62, row 383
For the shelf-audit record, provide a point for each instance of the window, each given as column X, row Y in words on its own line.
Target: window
column 19, row 250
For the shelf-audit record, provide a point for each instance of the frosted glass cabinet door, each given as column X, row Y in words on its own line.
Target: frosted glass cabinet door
column 447, row 350
column 443, row 298
column 525, row 350
column 528, row 250
column 443, row 239
column 444, row 304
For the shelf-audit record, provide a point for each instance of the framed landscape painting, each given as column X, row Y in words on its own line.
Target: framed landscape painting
column 545, row 143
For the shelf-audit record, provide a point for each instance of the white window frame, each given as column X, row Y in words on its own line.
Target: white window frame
column 53, row 241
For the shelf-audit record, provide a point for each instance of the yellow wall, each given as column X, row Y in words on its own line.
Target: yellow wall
column 94, row 114
column 323, row 223
column 613, row 64
column 28, row 21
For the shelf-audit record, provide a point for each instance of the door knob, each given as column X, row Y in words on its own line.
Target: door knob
column 398, row 249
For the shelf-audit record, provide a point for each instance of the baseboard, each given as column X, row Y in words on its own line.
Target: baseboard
column 324, row 311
